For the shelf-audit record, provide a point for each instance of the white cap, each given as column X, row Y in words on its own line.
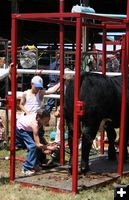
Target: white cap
column 37, row 81
column 66, row 75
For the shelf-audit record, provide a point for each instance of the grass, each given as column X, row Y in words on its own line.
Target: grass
column 17, row 192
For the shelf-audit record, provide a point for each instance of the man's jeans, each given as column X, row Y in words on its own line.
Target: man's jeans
column 24, row 138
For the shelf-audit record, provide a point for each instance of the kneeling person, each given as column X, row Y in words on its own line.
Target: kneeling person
column 27, row 130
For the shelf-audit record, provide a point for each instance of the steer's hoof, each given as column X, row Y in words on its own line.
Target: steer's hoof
column 125, row 158
column 84, row 168
column 125, row 155
column 112, row 154
column 112, row 157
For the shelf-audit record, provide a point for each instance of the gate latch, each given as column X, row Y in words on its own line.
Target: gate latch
column 80, row 105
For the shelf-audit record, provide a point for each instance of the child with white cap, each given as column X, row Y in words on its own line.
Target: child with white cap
column 31, row 99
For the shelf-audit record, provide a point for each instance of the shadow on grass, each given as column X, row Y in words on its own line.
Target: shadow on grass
column 4, row 180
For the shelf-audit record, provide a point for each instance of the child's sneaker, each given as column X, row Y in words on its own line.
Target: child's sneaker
column 28, row 172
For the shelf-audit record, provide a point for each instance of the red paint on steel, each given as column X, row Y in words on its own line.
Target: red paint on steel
column 51, row 189
column 42, row 16
column 103, row 72
column 13, row 96
column 122, row 126
column 20, row 159
column 115, row 26
column 102, row 142
column 76, row 98
column 61, row 6
column 104, row 52
column 62, row 152
column 114, row 43
column 125, row 62
column 80, row 108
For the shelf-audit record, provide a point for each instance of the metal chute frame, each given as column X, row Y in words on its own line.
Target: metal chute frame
column 61, row 18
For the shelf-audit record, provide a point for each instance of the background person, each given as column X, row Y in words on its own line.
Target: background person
column 2, row 130
column 67, row 78
column 55, row 155
column 53, row 80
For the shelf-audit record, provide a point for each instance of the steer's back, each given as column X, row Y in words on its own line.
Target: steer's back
column 102, row 96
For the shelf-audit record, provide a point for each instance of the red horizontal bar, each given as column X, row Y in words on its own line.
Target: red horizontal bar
column 52, row 189
column 114, row 43
column 28, row 16
column 115, row 26
column 55, row 21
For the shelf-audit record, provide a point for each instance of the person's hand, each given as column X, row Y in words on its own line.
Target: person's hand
column 57, row 113
column 39, row 145
column 52, row 147
column 10, row 66
column 47, row 152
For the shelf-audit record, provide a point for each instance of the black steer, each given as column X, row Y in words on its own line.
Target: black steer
column 102, row 95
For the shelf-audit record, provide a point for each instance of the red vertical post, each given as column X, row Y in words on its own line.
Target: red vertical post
column 102, row 142
column 61, row 86
column 76, row 98
column 103, row 72
column 61, row 6
column 125, row 64
column 104, row 51
column 122, row 124
column 13, row 99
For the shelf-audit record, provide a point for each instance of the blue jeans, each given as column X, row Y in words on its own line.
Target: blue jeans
column 24, row 138
column 50, row 104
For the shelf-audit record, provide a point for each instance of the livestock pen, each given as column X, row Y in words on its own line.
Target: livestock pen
column 104, row 23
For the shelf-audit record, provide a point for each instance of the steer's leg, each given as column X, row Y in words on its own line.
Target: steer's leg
column 86, row 146
column 111, row 134
column 88, row 136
